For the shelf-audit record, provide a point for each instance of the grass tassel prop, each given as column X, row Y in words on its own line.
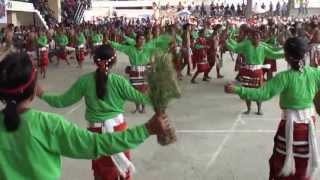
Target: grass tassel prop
column 163, row 88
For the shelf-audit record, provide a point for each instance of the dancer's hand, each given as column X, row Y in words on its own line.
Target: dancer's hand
column 230, row 89
column 158, row 124
column 39, row 90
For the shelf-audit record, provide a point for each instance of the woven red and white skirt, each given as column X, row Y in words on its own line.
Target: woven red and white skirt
column 203, row 66
column 273, row 65
column 62, row 53
column 137, row 77
column 300, row 150
column 80, row 53
column 43, row 57
column 104, row 167
column 252, row 78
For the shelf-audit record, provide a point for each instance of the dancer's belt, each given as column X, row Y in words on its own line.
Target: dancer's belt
column 97, row 44
column 304, row 116
column 141, row 68
column 253, row 67
column 108, row 124
column 43, row 48
column 123, row 164
column 81, row 46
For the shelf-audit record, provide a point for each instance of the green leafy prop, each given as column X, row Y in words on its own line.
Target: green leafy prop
column 317, row 102
column 163, row 88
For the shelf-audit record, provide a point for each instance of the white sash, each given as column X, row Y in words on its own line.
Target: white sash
column 123, row 164
column 300, row 116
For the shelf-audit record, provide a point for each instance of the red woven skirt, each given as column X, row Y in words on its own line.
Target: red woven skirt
column 273, row 65
column 276, row 162
column 250, row 78
column 138, row 80
column 62, row 53
column 44, row 58
column 80, row 53
column 104, row 167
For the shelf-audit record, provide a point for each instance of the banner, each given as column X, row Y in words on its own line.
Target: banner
column 3, row 12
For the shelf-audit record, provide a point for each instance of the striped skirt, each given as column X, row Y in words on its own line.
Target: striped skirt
column 104, row 167
column 250, row 78
column 300, row 151
column 137, row 76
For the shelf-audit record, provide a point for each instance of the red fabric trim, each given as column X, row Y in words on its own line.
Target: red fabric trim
column 104, row 167
column 22, row 87
column 276, row 161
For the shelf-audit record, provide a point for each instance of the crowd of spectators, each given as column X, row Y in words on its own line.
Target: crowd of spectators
column 211, row 9
column 280, row 8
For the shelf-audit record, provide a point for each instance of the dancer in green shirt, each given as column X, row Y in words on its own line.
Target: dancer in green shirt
column 255, row 53
column 43, row 48
column 295, row 154
column 62, row 41
column 105, row 94
column 32, row 141
column 139, row 57
column 80, row 47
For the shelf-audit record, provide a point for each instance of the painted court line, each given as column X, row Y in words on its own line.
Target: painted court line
column 221, row 146
column 260, row 118
column 223, row 131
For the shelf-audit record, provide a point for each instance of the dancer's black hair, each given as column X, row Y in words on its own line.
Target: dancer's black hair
column 103, row 53
column 295, row 49
column 16, row 70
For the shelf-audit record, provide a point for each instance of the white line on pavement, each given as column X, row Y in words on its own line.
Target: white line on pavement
column 222, row 131
column 221, row 146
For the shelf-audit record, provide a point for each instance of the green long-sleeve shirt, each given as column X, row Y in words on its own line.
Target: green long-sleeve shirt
column 254, row 55
column 161, row 43
column 42, row 41
column 233, row 32
column 118, row 91
column 272, row 41
column 296, row 89
column 62, row 40
column 142, row 56
column 97, row 38
column 129, row 41
column 81, row 39
column 195, row 34
column 34, row 151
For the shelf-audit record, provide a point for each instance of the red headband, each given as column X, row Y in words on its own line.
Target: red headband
column 22, row 87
